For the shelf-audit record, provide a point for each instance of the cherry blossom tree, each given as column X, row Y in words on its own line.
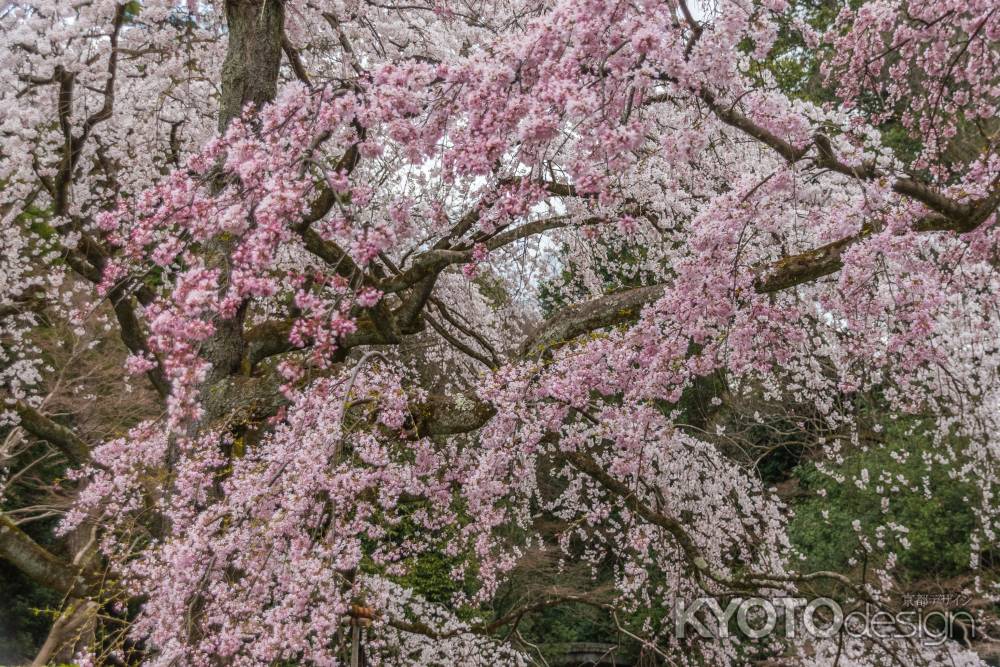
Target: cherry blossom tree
column 318, row 229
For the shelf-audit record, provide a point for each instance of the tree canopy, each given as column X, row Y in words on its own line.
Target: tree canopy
column 425, row 320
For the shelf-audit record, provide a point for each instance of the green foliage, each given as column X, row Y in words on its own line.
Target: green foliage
column 558, row 626
column 493, row 289
column 428, row 573
column 795, row 68
column 430, row 576
column 794, row 65
column 940, row 521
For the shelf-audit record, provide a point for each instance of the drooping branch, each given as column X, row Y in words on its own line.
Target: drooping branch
column 295, row 60
column 586, row 464
column 507, row 236
column 964, row 216
column 435, row 260
column 457, row 343
column 467, row 330
column 787, row 272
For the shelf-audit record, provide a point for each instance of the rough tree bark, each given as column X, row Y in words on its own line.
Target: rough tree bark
column 38, row 563
column 253, row 55
column 249, row 75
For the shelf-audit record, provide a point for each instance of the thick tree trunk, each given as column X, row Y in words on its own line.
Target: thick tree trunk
column 250, row 72
column 249, row 75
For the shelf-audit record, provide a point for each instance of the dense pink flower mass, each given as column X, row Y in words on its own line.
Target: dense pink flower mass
column 336, row 296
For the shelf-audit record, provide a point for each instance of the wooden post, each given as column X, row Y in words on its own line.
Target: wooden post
column 355, row 643
column 361, row 617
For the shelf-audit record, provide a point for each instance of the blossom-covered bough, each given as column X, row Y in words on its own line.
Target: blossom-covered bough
column 318, row 228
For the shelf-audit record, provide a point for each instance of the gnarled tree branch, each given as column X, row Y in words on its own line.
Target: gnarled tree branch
column 39, row 564
column 64, row 439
